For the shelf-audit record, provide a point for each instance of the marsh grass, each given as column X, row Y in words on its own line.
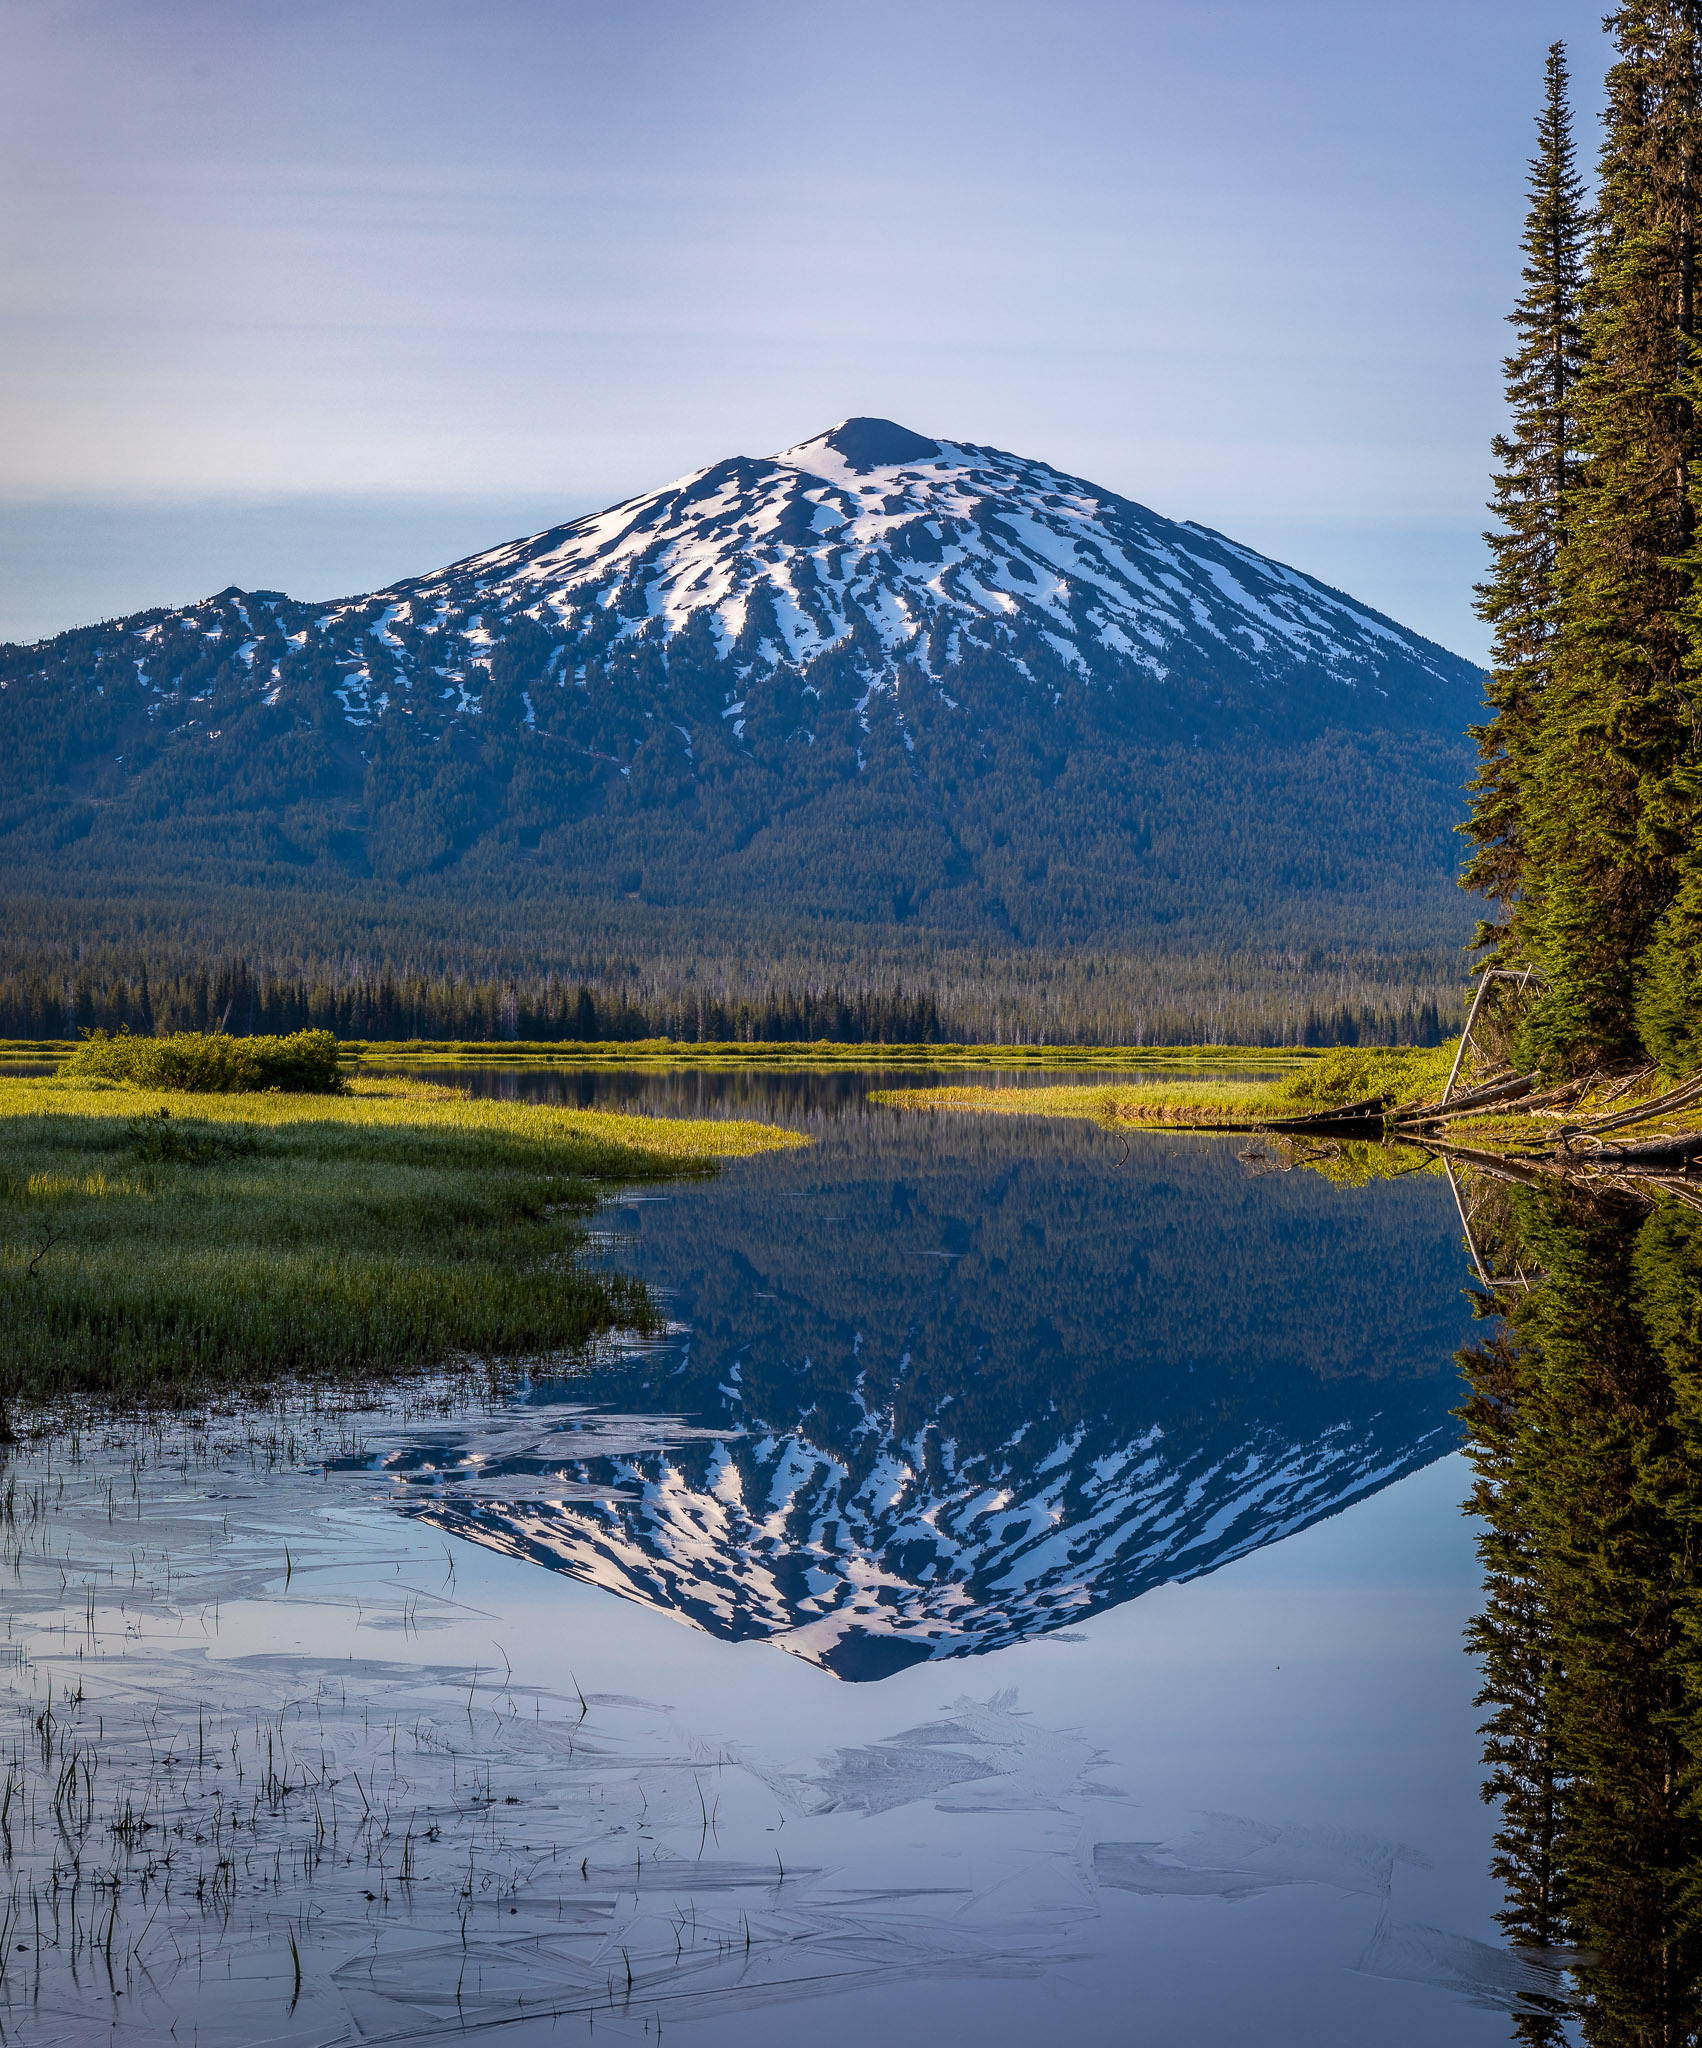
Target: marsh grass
column 1206, row 1101
column 157, row 1256
column 820, row 1053
column 374, row 1843
column 1201, row 1102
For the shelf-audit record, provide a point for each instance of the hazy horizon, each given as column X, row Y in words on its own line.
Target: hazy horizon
column 295, row 295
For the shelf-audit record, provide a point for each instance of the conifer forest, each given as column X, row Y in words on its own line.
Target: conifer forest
column 1586, row 811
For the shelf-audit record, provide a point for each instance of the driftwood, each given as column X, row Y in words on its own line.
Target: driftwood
column 1658, row 1105
column 1461, row 1105
column 1367, row 1112
column 1530, row 1173
column 1653, row 1155
column 1485, row 977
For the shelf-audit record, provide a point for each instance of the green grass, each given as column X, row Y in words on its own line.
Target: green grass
column 1205, row 1102
column 668, row 1052
column 315, row 1236
column 821, row 1052
column 1202, row 1103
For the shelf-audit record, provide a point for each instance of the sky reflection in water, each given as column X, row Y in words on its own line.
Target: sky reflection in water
column 946, row 1396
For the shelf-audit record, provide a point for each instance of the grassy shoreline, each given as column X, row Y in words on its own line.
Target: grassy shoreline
column 239, row 1240
column 1190, row 1105
column 767, row 1053
column 1198, row 1102
column 764, row 1053
column 1637, row 1133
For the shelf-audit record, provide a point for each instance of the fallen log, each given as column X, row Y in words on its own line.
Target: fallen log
column 1527, row 1172
column 1369, row 1111
column 1658, row 1105
column 1460, row 1105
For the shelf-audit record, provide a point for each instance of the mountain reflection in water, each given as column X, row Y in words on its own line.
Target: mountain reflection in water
column 942, row 1383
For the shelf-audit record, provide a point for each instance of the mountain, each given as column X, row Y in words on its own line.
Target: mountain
column 908, row 558
column 909, row 1553
column 875, row 693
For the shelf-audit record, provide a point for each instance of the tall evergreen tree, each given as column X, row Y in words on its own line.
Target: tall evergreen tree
column 1599, row 865
column 1537, row 463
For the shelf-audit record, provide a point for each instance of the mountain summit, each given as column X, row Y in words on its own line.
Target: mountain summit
column 908, row 552
column 875, row 694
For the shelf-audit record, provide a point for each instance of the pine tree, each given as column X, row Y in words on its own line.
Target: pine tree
column 1669, row 982
column 1599, row 869
column 1535, row 479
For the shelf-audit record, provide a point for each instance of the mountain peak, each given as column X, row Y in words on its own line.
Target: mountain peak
column 873, row 545
column 862, row 445
column 877, row 680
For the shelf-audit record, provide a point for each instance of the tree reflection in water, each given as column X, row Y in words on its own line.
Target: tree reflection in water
column 1584, row 1425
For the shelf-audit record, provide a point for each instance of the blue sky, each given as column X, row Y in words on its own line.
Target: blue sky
column 309, row 295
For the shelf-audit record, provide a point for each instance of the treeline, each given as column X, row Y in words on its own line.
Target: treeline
column 1054, row 1003
column 1587, row 811
column 233, row 997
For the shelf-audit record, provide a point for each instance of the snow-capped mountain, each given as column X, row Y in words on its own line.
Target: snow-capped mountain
column 875, row 681
column 875, row 540
column 941, row 1383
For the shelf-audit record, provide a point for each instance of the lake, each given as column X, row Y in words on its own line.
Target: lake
column 1024, row 1590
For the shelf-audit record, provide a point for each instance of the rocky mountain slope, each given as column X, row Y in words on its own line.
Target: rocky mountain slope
column 913, row 555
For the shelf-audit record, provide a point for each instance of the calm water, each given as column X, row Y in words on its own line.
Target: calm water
column 1023, row 1593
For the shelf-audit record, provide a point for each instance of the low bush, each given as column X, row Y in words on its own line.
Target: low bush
column 1351, row 1073
column 209, row 1063
column 157, row 1136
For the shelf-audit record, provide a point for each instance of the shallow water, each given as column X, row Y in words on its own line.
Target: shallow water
column 1025, row 1591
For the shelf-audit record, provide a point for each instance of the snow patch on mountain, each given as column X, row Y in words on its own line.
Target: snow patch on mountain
column 908, row 549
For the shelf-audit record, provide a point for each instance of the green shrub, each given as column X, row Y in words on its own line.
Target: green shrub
column 1350, row 1073
column 157, row 1136
column 209, row 1063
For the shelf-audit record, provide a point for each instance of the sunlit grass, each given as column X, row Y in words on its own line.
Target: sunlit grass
column 400, row 1103
column 1204, row 1101
column 1201, row 1102
column 360, row 1234
column 819, row 1053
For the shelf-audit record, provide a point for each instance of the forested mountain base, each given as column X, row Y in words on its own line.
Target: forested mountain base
column 1057, row 879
